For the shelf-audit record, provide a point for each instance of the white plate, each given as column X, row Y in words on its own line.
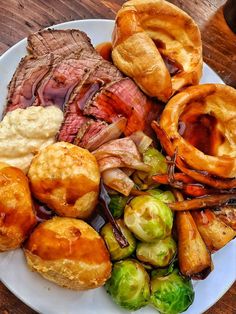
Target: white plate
column 46, row 297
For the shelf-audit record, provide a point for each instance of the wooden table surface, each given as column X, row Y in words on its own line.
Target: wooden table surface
column 18, row 18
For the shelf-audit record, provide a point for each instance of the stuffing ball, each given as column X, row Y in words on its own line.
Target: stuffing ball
column 68, row 252
column 17, row 217
column 66, row 178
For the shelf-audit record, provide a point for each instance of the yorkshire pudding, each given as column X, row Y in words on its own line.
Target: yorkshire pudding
column 200, row 123
column 158, row 45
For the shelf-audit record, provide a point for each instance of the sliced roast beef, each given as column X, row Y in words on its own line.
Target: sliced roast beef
column 65, row 70
column 23, row 86
column 59, row 42
column 121, row 98
column 104, row 72
column 56, row 88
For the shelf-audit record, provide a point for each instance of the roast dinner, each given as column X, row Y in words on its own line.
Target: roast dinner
column 124, row 132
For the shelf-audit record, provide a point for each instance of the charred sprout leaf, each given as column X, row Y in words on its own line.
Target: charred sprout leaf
column 116, row 252
column 148, row 218
column 129, row 285
column 159, row 253
column 171, row 294
column 164, row 196
column 117, row 205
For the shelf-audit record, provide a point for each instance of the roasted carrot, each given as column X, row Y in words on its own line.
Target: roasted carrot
column 164, row 179
column 202, row 202
column 185, row 183
column 197, row 190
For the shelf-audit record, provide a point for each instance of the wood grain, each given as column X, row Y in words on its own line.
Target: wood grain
column 19, row 18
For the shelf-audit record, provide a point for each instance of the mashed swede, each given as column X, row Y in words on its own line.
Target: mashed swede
column 23, row 132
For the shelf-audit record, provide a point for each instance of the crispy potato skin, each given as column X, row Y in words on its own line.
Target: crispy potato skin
column 68, row 252
column 66, row 178
column 17, row 217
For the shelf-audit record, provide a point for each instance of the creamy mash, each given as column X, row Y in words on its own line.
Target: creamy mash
column 23, row 132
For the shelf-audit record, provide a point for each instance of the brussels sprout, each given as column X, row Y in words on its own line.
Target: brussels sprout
column 114, row 248
column 164, row 196
column 157, row 161
column 158, row 253
column 129, row 285
column 117, row 205
column 148, row 218
column 147, row 267
column 161, row 272
column 171, row 294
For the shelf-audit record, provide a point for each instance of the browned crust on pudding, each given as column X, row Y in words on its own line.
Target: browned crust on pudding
column 148, row 32
column 211, row 102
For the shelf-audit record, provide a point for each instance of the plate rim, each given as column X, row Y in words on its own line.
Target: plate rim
column 67, row 24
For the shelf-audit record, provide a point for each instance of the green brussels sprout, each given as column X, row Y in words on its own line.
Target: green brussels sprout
column 159, row 253
column 113, row 246
column 164, row 196
column 117, row 205
column 129, row 285
column 148, row 218
column 161, row 272
column 157, row 161
column 171, row 294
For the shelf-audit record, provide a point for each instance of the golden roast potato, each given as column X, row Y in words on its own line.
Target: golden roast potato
column 17, row 217
column 66, row 178
column 68, row 252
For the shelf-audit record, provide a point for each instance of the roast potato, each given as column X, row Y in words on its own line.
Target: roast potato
column 68, row 252
column 66, row 178
column 17, row 217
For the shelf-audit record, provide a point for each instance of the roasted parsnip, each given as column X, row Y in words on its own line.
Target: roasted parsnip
column 194, row 258
column 214, row 232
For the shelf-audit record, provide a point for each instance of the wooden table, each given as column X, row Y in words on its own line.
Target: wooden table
column 18, row 18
